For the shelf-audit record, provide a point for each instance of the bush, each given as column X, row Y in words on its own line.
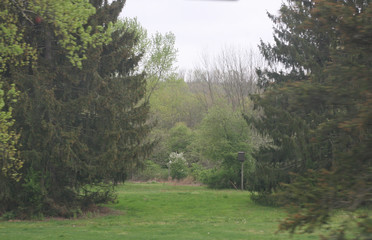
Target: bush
column 33, row 198
column 178, row 166
column 152, row 171
column 220, row 178
column 266, row 199
column 180, row 137
column 199, row 173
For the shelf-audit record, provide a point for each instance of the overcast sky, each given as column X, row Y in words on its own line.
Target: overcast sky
column 205, row 26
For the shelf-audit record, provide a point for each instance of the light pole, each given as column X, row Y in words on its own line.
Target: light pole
column 241, row 158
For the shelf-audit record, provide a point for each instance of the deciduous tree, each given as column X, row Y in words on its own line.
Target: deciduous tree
column 222, row 134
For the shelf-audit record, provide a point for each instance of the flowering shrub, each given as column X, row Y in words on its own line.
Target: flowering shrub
column 177, row 165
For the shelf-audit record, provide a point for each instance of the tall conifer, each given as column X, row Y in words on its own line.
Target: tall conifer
column 322, row 101
column 82, row 125
column 293, row 101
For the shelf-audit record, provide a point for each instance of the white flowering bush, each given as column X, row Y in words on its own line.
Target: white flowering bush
column 177, row 165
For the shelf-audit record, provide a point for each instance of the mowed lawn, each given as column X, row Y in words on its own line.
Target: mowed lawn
column 164, row 211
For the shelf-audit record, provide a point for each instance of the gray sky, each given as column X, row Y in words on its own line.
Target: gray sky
column 205, row 26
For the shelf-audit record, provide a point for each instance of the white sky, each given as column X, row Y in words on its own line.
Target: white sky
column 205, row 26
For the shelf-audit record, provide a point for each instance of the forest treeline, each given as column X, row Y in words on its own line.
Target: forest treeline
column 89, row 100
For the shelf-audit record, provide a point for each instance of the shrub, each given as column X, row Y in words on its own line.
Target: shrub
column 178, row 166
column 266, row 199
column 220, row 178
column 152, row 171
column 199, row 173
column 180, row 137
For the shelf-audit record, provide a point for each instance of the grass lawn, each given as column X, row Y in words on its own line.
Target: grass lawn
column 164, row 211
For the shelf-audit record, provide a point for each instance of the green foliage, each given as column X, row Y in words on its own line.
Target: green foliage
column 185, row 125
column 180, row 137
column 199, row 173
column 159, row 54
column 68, row 20
column 222, row 178
column 294, row 101
column 10, row 163
column 178, row 166
column 152, row 171
column 176, row 112
column 159, row 60
column 160, row 153
column 173, row 102
column 222, row 134
column 63, row 20
column 264, row 180
column 13, row 49
column 318, row 112
column 266, row 199
column 33, row 192
column 83, row 129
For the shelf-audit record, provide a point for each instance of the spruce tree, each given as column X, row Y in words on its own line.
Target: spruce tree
column 293, row 101
column 331, row 99
column 81, row 114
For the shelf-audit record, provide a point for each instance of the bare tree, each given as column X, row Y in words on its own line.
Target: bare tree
column 203, row 82
column 231, row 74
column 236, row 70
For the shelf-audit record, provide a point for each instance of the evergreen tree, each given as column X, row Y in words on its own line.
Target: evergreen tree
column 321, row 102
column 301, row 52
column 80, row 113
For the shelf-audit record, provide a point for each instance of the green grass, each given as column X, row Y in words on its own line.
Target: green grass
column 164, row 211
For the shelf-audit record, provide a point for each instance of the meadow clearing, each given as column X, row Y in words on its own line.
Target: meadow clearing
column 163, row 211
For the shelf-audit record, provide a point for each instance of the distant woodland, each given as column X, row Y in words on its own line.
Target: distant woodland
column 89, row 100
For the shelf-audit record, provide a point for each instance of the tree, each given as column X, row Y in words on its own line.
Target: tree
column 13, row 51
column 180, row 137
column 222, row 134
column 10, row 162
column 301, row 52
column 67, row 18
column 327, row 89
column 236, row 72
column 158, row 61
column 347, row 184
column 81, row 108
column 173, row 102
column 203, row 83
column 230, row 74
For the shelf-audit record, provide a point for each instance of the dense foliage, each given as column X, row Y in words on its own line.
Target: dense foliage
column 222, row 134
column 317, row 111
column 201, row 118
column 80, row 111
